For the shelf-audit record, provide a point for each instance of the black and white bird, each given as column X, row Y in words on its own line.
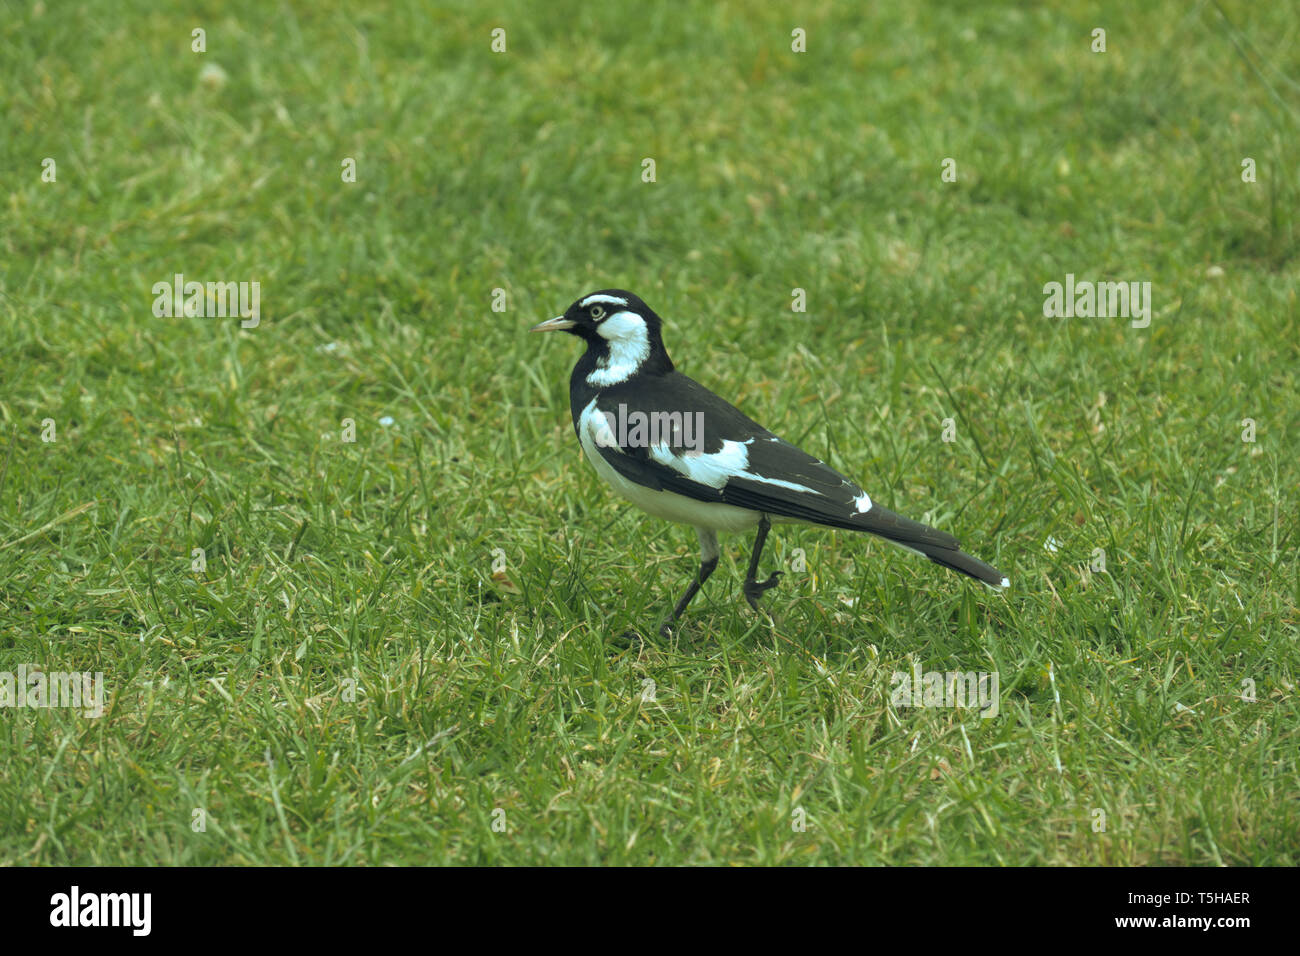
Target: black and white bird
column 679, row 452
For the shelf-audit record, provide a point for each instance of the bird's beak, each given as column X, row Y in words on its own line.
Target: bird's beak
column 557, row 324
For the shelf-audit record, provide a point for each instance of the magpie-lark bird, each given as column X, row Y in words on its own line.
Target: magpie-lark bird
column 679, row 452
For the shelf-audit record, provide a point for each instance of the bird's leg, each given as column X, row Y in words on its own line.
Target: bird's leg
column 754, row 589
column 708, row 561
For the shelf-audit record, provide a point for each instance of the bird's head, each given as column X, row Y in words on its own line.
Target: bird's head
column 620, row 330
column 610, row 314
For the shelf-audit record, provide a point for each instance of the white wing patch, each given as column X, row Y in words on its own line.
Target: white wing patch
column 716, row 469
column 863, row 503
column 711, row 470
column 778, row 482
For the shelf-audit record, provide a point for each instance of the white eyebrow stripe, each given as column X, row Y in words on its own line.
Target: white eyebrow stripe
column 606, row 299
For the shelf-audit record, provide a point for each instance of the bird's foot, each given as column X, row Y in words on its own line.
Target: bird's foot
column 626, row 639
column 754, row 589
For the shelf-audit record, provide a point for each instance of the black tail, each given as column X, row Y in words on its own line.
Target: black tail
column 959, row 560
column 939, row 546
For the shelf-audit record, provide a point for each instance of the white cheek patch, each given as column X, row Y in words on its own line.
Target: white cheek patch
column 624, row 327
column 629, row 346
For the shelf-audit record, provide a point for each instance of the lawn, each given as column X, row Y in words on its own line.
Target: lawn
column 356, row 598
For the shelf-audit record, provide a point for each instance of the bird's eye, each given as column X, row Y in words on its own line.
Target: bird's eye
column 597, row 312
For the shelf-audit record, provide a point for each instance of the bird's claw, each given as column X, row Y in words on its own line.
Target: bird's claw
column 626, row 639
column 755, row 589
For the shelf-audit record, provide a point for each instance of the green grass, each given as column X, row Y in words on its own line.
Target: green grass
column 329, row 562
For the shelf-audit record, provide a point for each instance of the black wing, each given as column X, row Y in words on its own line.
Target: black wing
column 736, row 461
